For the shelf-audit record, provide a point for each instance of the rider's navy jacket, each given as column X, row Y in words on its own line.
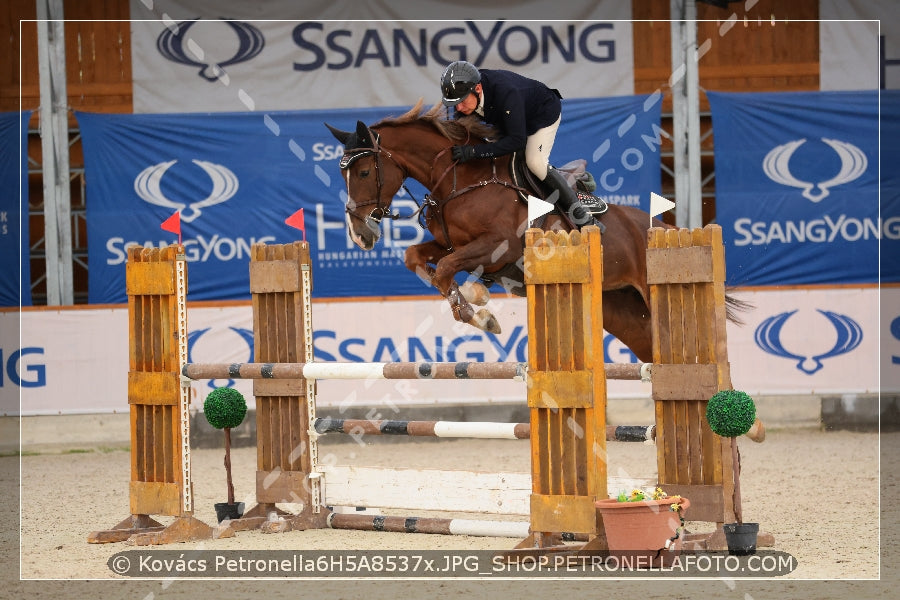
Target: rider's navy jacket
column 518, row 107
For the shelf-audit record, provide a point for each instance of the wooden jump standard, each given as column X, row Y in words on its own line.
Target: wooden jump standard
column 686, row 273
column 156, row 283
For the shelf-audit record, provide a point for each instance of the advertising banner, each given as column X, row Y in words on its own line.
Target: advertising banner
column 793, row 342
column 204, row 55
column 800, row 193
column 236, row 177
column 14, row 246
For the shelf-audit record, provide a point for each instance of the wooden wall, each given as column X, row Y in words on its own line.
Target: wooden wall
column 761, row 45
column 98, row 56
column 769, row 48
column 772, row 46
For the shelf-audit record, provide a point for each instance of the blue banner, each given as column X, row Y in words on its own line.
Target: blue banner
column 14, row 209
column 236, row 177
column 797, row 186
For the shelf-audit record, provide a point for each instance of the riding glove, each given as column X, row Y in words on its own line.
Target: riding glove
column 463, row 153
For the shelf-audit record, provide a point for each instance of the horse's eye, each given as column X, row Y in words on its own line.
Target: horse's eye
column 364, row 173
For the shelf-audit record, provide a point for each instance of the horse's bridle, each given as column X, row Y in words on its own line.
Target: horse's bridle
column 373, row 220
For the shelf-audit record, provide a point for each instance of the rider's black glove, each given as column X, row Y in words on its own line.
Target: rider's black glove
column 463, row 153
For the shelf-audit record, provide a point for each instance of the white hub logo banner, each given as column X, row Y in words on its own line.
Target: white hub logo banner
column 199, row 56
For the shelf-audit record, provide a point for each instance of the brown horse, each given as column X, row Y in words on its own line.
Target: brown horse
column 478, row 220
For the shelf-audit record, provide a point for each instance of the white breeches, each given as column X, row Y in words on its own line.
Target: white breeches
column 538, row 147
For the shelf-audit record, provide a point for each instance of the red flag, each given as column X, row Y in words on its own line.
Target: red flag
column 173, row 224
column 296, row 221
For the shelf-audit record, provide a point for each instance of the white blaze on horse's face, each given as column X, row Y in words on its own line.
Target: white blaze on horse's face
column 368, row 236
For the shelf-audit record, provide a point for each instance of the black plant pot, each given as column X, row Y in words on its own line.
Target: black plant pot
column 229, row 511
column 741, row 538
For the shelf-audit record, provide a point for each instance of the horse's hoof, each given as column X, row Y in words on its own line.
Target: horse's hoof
column 475, row 292
column 485, row 321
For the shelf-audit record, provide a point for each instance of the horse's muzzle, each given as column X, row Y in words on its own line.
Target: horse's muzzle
column 374, row 226
column 368, row 235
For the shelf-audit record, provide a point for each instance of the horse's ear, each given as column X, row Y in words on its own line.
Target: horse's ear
column 342, row 136
column 364, row 135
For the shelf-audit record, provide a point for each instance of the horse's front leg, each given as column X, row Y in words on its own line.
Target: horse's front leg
column 473, row 257
column 419, row 258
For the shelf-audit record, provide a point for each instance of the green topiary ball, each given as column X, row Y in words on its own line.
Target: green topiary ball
column 730, row 413
column 225, row 407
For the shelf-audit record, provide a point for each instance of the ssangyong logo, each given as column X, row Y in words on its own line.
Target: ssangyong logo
column 776, row 166
column 224, row 186
column 849, row 336
column 172, row 41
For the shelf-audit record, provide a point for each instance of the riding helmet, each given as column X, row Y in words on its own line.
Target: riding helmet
column 458, row 81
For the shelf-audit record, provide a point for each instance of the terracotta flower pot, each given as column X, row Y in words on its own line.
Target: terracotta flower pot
column 641, row 529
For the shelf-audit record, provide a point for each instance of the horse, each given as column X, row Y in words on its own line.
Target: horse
column 477, row 218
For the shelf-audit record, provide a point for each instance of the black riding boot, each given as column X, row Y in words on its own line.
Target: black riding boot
column 567, row 200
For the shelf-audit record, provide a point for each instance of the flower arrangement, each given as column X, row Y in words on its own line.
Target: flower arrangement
column 638, row 521
column 637, row 495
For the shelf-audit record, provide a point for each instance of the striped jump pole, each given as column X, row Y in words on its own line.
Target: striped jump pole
column 465, row 429
column 394, row 370
column 473, row 527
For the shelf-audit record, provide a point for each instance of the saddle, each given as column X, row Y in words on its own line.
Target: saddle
column 575, row 172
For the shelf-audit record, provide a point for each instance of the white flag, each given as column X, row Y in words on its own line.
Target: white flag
column 537, row 208
column 659, row 205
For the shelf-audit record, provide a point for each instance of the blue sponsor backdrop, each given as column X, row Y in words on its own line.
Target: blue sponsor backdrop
column 797, row 186
column 14, row 204
column 237, row 177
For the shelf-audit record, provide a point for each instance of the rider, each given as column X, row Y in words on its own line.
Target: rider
column 526, row 112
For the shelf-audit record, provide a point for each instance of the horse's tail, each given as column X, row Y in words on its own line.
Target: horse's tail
column 734, row 306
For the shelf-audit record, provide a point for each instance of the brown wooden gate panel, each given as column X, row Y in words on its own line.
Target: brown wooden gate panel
column 157, row 484
column 686, row 272
column 284, row 451
column 567, row 380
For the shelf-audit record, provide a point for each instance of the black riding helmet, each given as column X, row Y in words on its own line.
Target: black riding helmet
column 458, row 81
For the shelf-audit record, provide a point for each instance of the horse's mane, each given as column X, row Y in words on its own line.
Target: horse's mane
column 455, row 130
